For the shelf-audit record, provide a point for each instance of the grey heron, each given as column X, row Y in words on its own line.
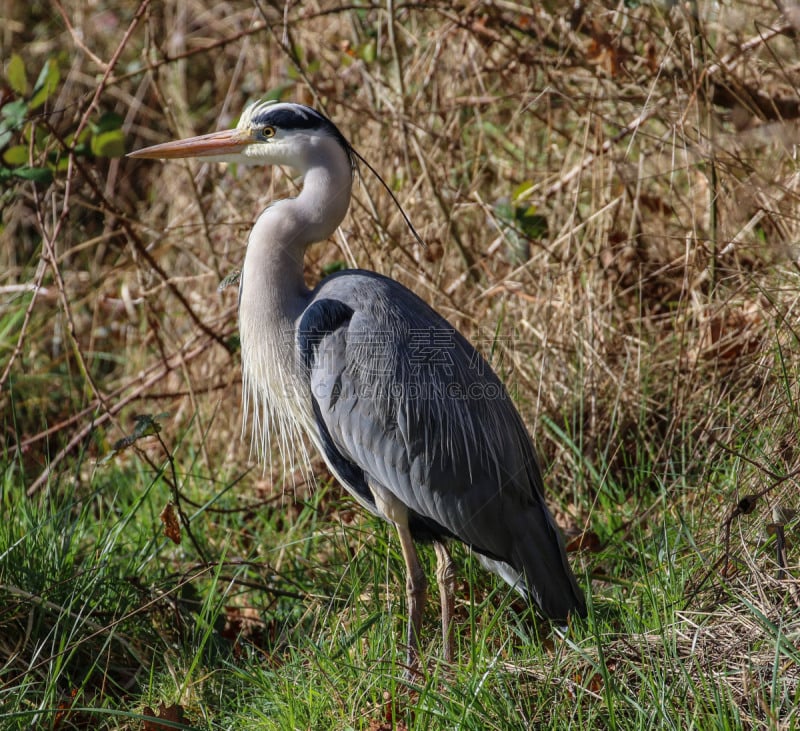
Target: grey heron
column 409, row 418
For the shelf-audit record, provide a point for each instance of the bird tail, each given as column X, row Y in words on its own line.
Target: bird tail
column 548, row 578
column 541, row 573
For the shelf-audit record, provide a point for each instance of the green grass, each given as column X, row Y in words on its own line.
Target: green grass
column 296, row 624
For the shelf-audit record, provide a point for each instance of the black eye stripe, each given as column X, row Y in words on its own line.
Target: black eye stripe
column 290, row 117
column 287, row 118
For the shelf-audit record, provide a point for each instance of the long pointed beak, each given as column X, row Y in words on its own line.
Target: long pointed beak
column 226, row 142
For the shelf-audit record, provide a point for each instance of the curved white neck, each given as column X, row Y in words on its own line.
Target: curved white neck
column 273, row 294
column 272, row 274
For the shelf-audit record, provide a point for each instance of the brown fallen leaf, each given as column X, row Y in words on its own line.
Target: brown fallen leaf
column 390, row 721
column 730, row 334
column 64, row 710
column 173, row 713
column 586, row 541
column 172, row 528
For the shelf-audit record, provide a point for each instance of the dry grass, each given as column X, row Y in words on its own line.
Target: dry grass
column 650, row 334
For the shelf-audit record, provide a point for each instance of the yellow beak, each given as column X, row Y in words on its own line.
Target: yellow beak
column 226, row 142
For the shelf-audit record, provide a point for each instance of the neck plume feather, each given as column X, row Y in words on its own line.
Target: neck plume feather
column 272, row 298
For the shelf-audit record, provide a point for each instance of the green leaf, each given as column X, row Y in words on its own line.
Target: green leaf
column 522, row 190
column 368, row 52
column 46, row 84
column 234, row 343
column 503, row 210
column 109, row 144
column 276, row 93
column 146, row 425
column 16, row 76
column 108, row 122
column 231, row 280
column 16, row 155
column 333, row 267
column 532, row 224
column 14, row 113
column 37, row 175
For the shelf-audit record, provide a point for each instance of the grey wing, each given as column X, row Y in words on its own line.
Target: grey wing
column 402, row 400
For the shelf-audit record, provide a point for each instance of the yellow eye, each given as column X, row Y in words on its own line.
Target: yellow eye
column 268, row 132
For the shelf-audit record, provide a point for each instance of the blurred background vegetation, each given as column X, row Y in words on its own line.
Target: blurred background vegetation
column 609, row 197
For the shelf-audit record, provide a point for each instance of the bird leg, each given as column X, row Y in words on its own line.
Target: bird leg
column 446, row 578
column 416, row 586
column 395, row 511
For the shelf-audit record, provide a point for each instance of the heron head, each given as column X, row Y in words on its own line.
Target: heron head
column 276, row 133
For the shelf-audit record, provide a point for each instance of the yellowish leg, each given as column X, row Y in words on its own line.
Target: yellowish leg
column 395, row 511
column 446, row 578
column 416, row 586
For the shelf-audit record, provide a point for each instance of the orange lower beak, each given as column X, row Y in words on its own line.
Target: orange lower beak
column 226, row 142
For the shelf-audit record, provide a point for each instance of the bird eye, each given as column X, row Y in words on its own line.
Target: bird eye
column 268, row 132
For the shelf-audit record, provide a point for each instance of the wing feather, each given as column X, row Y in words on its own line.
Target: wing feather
column 404, row 400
